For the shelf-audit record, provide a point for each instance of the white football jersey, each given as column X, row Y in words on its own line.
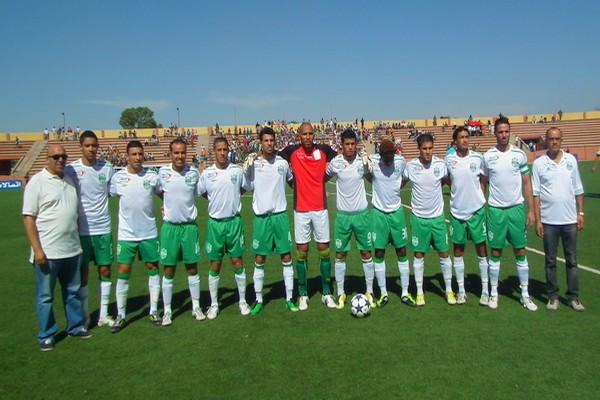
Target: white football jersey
column 179, row 193
column 426, row 197
column 504, row 170
column 466, row 196
column 136, row 203
column 557, row 185
column 93, row 181
column 223, row 189
column 387, row 182
column 350, row 185
column 268, row 179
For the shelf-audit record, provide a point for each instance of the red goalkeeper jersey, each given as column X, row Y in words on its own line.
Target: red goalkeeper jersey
column 309, row 175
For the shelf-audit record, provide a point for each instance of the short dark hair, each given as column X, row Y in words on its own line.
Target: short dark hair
column 220, row 139
column 348, row 134
column 177, row 141
column 134, row 144
column 266, row 131
column 424, row 138
column 87, row 135
column 457, row 131
column 501, row 120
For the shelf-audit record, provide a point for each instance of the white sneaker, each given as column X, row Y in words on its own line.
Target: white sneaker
column 329, row 301
column 106, row 321
column 212, row 312
column 198, row 314
column 528, row 303
column 244, row 308
column 303, row 303
column 166, row 319
column 484, row 300
column 461, row 298
column 493, row 302
column 552, row 305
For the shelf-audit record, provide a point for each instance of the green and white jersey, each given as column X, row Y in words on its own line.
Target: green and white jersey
column 426, row 197
column 93, row 181
column 268, row 179
column 179, row 193
column 557, row 184
column 350, row 185
column 223, row 188
column 504, row 170
column 387, row 181
column 466, row 196
column 136, row 204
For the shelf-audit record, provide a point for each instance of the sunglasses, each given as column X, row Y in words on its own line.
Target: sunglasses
column 57, row 157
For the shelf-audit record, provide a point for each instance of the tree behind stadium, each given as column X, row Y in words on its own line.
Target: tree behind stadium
column 137, row 117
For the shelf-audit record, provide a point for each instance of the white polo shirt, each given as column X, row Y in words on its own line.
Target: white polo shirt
column 504, row 170
column 350, row 185
column 387, row 181
column 426, row 198
column 557, row 185
column 54, row 202
column 466, row 196
column 267, row 178
column 223, row 190
column 179, row 191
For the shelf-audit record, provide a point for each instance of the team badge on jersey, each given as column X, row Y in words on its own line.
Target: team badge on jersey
column 147, row 184
column 473, row 167
column 280, row 170
column 102, row 178
column 437, row 172
column 234, row 179
column 515, row 163
column 191, row 180
column 396, row 171
column 569, row 165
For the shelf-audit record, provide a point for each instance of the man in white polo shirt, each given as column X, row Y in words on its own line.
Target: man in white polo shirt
column 558, row 203
column 50, row 217
column 137, row 234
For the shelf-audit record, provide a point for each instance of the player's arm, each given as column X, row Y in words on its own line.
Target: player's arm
column 34, row 238
column 595, row 166
column 535, row 187
column 579, row 195
column 528, row 199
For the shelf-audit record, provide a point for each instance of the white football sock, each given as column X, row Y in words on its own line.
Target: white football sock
column 121, row 294
column 194, row 285
column 259, row 279
column 523, row 271
column 340, row 273
column 154, row 289
column 213, row 288
column 446, row 266
column 167, row 292
column 494, row 276
column 404, row 276
column 483, row 271
column 369, row 270
column 459, row 269
column 104, row 298
column 380, row 274
column 240, row 279
column 419, row 267
column 288, row 279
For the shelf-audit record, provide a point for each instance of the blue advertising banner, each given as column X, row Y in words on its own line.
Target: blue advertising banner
column 10, row 185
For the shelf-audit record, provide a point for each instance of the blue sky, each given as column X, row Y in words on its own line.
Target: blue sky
column 245, row 61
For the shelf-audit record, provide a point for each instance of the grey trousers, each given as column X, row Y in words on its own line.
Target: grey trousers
column 568, row 235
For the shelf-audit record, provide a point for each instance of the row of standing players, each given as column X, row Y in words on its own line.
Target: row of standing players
column 305, row 167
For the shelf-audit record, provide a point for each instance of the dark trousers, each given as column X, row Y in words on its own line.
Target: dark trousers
column 568, row 235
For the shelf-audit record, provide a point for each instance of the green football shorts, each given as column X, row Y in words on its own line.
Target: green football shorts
column 507, row 224
column 428, row 232
column 146, row 250
column 225, row 236
column 347, row 223
column 97, row 248
column 179, row 242
column 475, row 226
column 271, row 233
column 389, row 228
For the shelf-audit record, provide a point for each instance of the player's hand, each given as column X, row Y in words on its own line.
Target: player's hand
column 249, row 161
column 593, row 169
column 530, row 219
column 39, row 257
column 162, row 212
column 539, row 229
column 580, row 222
column 367, row 161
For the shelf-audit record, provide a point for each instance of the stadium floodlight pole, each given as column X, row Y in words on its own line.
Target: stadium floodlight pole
column 178, row 118
column 64, row 121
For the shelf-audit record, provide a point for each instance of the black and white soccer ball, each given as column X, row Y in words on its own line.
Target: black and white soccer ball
column 360, row 306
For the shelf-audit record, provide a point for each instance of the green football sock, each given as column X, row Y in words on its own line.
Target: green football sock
column 325, row 265
column 301, row 272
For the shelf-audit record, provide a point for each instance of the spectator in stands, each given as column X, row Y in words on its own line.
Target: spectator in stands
column 18, row 142
column 560, row 114
column 46, row 134
column 595, row 166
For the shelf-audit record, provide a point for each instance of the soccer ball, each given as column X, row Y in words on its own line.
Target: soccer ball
column 360, row 306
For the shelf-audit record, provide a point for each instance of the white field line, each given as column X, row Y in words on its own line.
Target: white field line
column 531, row 249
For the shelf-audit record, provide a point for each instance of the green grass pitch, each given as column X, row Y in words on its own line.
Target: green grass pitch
column 434, row 352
